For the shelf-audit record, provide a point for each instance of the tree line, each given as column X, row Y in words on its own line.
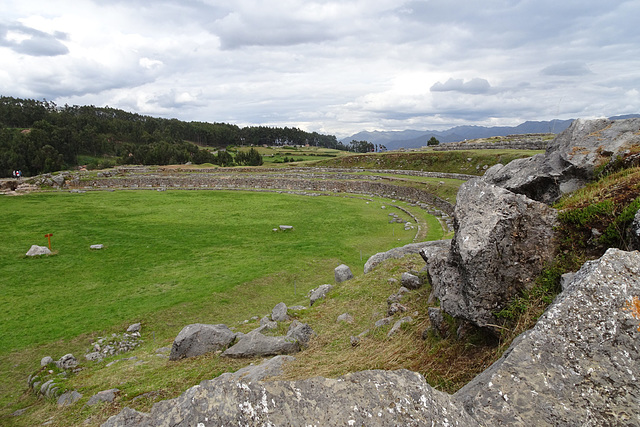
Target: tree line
column 40, row 136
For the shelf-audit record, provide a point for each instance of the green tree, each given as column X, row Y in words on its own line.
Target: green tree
column 433, row 141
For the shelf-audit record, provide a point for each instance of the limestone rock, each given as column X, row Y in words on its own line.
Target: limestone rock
column 502, row 242
column 396, row 326
column 436, row 318
column 258, row 345
column 266, row 323
column 342, row 273
column 69, row 398
column 279, row 313
column 410, row 281
column 319, row 293
column 67, row 362
column 103, row 396
column 635, row 232
column 579, row 365
column 396, row 307
column 196, row 339
column 345, row 318
column 46, row 360
column 301, row 332
column 371, row 398
column 36, row 250
column 134, row 328
column 569, row 161
column 412, row 248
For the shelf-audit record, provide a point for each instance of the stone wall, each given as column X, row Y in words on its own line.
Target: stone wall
column 515, row 144
column 286, row 182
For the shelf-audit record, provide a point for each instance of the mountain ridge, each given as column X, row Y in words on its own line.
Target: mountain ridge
column 409, row 138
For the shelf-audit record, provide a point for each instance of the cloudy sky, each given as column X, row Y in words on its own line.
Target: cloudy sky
column 335, row 67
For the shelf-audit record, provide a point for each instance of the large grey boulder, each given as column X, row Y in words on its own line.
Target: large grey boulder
column 36, row 250
column 569, row 161
column 342, row 273
column 502, row 242
column 371, row 398
column 395, row 253
column 196, row 339
column 255, row 344
column 580, row 364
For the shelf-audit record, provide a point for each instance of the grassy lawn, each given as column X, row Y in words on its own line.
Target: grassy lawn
column 170, row 259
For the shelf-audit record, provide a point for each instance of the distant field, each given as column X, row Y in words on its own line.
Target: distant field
column 166, row 249
column 298, row 154
column 471, row 162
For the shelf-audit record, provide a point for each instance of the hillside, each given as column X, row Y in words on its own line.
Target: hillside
column 394, row 140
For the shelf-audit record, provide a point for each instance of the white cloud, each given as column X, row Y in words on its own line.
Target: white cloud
column 335, row 66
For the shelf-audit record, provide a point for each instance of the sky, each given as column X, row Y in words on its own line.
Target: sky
column 334, row 67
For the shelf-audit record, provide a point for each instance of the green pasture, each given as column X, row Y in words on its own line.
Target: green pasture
column 182, row 253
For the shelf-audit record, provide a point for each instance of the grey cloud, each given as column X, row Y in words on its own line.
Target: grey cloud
column 29, row 41
column 567, row 69
column 474, row 86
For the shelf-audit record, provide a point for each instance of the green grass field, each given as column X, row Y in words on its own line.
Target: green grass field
column 163, row 249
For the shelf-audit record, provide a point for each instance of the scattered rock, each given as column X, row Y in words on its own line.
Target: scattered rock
column 96, row 247
column 382, row 322
column 438, row 324
column 319, row 293
column 342, row 273
column 103, row 396
column 301, row 332
column 196, row 339
column 392, row 281
column 67, row 362
column 134, row 328
column 279, row 313
column 46, row 360
column 396, row 326
column 412, row 248
column 345, row 317
column 266, row 323
column 286, row 227
column 36, row 250
column 69, row 398
column 396, row 307
column 411, row 281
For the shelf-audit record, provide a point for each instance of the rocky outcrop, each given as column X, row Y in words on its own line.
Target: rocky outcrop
column 502, row 242
column 194, row 340
column 371, row 398
column 578, row 366
column 569, row 161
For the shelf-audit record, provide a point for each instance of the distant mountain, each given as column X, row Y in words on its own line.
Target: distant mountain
column 416, row 138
